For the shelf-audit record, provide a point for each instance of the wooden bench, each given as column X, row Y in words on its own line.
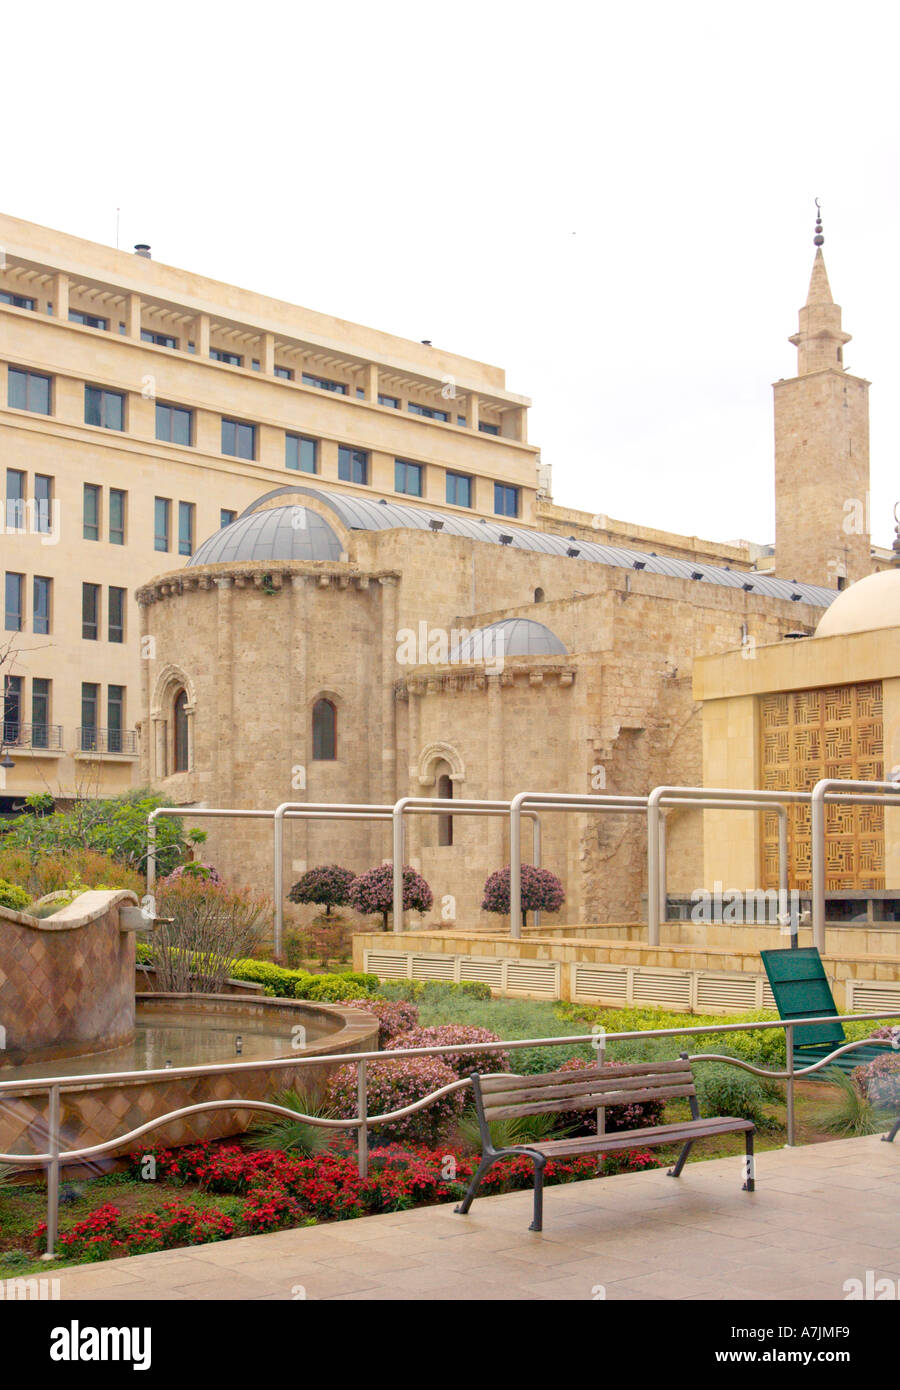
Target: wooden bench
column 502, row 1096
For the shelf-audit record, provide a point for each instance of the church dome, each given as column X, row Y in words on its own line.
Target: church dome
column 873, row 602
column 519, row 637
column 275, row 533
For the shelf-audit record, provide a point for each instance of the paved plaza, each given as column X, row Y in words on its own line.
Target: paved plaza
column 821, row 1215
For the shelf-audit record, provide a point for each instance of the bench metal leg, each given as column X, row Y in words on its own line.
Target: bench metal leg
column 474, row 1185
column 538, row 1222
column 682, row 1159
column 889, row 1138
column 750, row 1184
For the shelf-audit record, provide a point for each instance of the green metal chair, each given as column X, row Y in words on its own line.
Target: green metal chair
column 801, row 989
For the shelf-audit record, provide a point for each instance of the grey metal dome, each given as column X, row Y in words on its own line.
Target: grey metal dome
column 519, row 637
column 276, row 533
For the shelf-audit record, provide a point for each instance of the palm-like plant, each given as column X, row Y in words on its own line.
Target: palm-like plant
column 848, row 1114
column 294, row 1136
column 516, row 1130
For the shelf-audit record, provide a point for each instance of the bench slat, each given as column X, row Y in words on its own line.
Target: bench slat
column 644, row 1138
column 592, row 1101
column 594, row 1084
column 499, row 1081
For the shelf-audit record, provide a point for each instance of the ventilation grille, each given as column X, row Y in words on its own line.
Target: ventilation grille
column 867, row 997
column 387, row 965
column 661, row 987
column 482, row 969
column 433, row 968
column 727, row 991
column 592, row 982
column 528, row 978
column 768, row 998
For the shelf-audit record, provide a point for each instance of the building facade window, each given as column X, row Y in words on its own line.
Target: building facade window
column 159, row 339
column 116, row 516
column 28, row 391
column 90, row 612
column 115, row 718
column 182, row 741
column 238, row 439
column 15, row 602
column 430, row 412
column 43, row 502
column 226, row 517
column 162, row 514
column 353, row 465
column 231, row 359
column 285, row 373
column 322, row 383
column 116, row 617
column 185, row 528
column 324, row 731
column 40, row 614
column 408, row 477
column 90, row 705
column 104, row 408
column 445, row 823
column 15, row 499
column 174, row 424
column 88, row 320
column 301, row 453
column 90, row 512
column 506, row 500
column 12, row 709
column 18, row 301
column 40, row 712
column 459, row 489
column 488, row 429
column 392, row 401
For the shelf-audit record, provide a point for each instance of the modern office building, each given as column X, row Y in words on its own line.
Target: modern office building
column 141, row 408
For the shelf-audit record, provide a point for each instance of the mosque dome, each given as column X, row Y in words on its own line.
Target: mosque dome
column 873, row 602
column 519, row 637
column 274, row 533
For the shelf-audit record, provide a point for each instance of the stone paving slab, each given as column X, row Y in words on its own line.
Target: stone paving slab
column 820, row 1215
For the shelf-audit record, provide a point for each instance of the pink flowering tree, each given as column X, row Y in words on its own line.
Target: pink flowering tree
column 326, row 884
column 373, row 891
column 541, row 891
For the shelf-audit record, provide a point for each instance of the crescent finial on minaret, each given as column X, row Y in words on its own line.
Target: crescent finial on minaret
column 819, row 238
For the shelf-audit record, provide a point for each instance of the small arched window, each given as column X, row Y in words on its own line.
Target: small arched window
column 539, row 596
column 324, row 731
column 445, row 823
column 182, row 750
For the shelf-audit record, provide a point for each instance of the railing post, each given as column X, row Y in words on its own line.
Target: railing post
column 397, row 860
column 151, row 852
column 362, row 1133
column 653, row 819
column 515, row 867
column 789, row 1049
column 52, row 1173
column 278, row 881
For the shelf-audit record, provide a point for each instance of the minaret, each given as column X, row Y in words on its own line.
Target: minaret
column 821, row 450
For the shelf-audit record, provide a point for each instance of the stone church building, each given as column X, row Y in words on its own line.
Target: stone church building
column 327, row 647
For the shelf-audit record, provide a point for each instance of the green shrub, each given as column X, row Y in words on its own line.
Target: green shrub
column 284, row 984
column 847, row 1113
column 13, row 897
column 724, row 1090
column 41, row 871
column 329, row 989
column 113, row 826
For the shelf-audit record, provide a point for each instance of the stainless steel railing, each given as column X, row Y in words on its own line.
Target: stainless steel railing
column 55, row 1157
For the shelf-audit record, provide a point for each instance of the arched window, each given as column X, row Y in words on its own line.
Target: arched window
column 539, row 596
column 182, row 749
column 445, row 823
column 324, row 731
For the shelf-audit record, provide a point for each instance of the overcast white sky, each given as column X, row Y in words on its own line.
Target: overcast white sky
column 615, row 203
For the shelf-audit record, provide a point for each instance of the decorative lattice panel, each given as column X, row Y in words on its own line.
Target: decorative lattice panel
column 810, row 734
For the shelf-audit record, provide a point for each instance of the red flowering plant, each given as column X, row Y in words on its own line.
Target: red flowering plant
column 879, row 1080
column 542, row 891
column 373, row 891
column 462, row 1063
